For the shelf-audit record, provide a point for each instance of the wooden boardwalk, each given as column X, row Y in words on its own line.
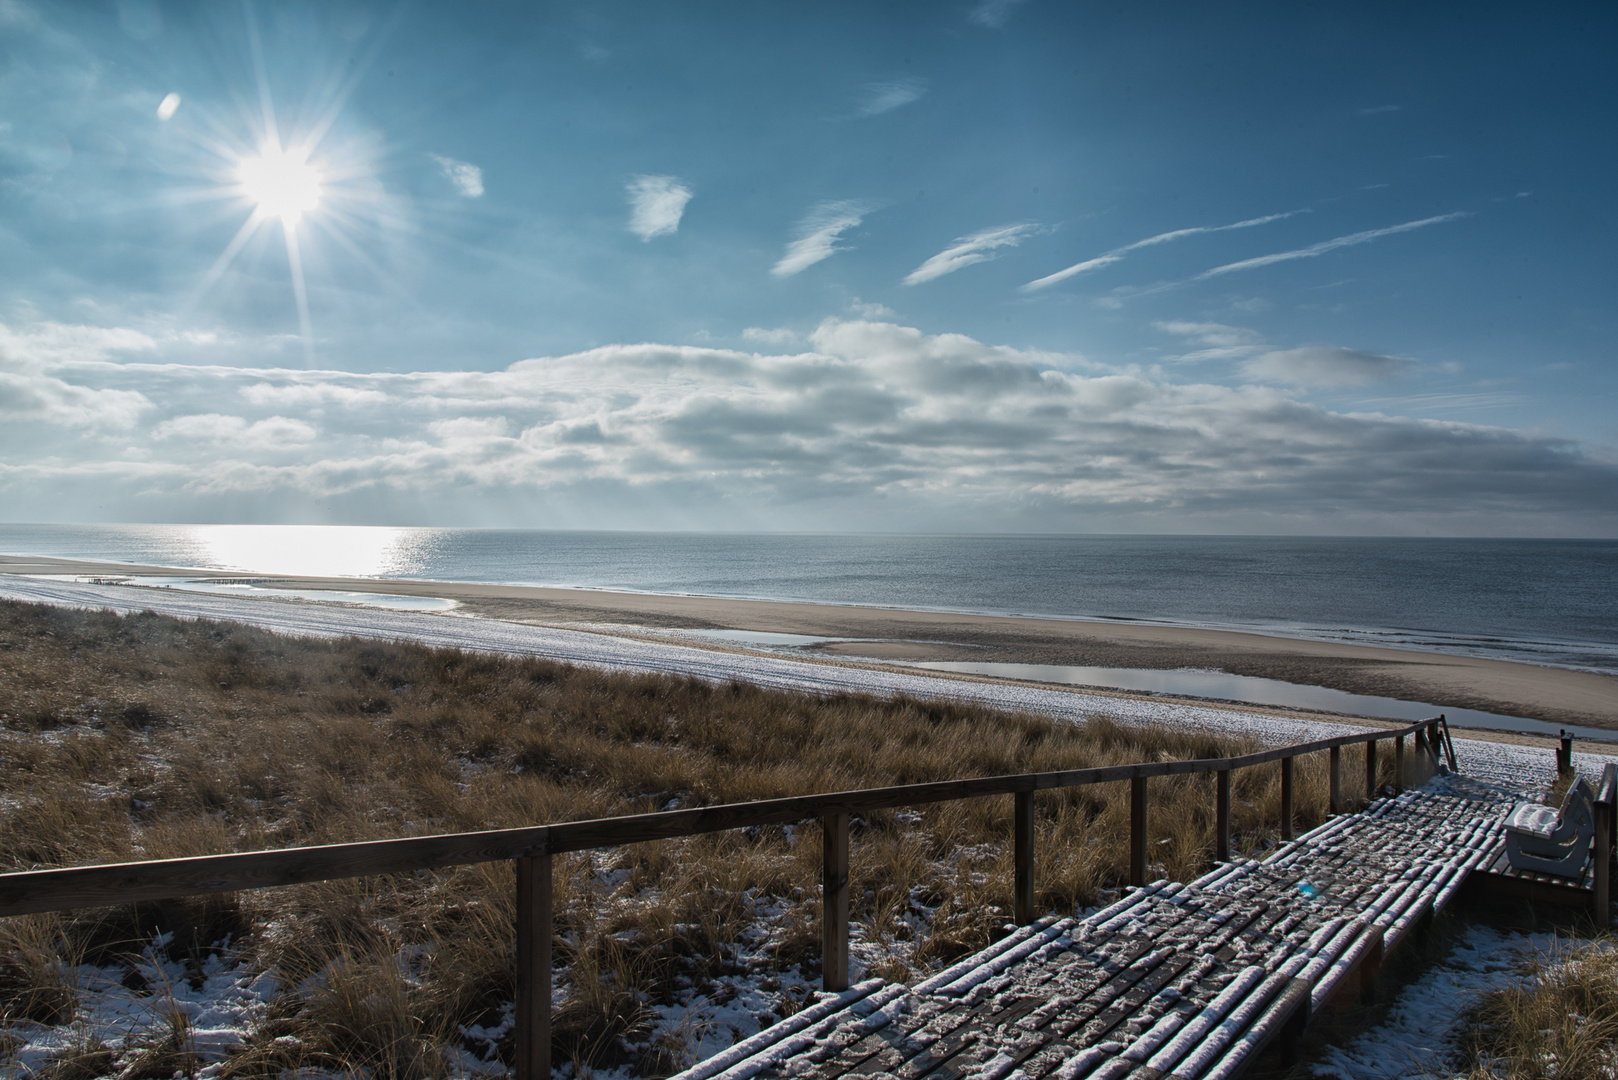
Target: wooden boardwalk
column 1173, row 980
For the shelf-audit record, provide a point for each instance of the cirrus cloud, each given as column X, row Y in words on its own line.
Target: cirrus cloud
column 818, row 233
column 656, row 205
column 466, row 178
column 878, row 98
column 967, row 250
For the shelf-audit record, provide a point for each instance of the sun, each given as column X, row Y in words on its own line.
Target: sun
column 282, row 183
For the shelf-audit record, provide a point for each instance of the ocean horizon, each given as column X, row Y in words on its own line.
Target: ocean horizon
column 1550, row 602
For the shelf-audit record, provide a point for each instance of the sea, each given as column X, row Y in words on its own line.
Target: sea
column 1549, row 602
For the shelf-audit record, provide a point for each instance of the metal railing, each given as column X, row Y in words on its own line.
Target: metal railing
column 531, row 849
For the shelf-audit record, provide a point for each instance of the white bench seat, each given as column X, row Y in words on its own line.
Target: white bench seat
column 1545, row 841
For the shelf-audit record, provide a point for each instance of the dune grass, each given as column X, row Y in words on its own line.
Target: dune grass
column 1562, row 1024
column 131, row 737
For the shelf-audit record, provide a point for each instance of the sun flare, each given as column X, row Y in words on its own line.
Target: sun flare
column 282, row 183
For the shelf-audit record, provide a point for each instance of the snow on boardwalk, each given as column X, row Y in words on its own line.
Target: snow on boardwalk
column 1172, row 980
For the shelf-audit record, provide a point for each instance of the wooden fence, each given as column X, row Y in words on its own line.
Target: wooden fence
column 531, row 849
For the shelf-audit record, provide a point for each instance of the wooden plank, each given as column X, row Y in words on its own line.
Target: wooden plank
column 1370, row 770
column 534, row 928
column 1023, row 843
column 834, row 902
column 1138, row 989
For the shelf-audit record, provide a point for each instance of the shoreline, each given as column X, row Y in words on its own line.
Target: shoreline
column 471, row 593
column 896, row 635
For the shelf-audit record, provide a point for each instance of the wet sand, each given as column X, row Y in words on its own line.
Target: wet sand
column 1554, row 695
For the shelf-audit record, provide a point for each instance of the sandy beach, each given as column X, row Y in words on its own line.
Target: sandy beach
column 1554, row 695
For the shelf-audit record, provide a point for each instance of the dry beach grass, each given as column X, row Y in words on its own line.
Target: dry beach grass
column 1561, row 1023
column 149, row 737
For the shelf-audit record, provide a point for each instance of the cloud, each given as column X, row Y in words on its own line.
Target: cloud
column 1218, row 340
column 16, row 14
column 1449, row 402
column 870, row 421
column 994, row 13
column 1117, row 254
column 1324, row 246
column 818, row 234
column 466, row 177
column 656, row 205
column 778, row 336
column 270, row 433
column 33, row 390
column 871, row 310
column 1308, row 365
column 1324, row 365
column 309, row 395
column 880, row 97
column 1378, row 110
column 967, row 250
column 168, row 106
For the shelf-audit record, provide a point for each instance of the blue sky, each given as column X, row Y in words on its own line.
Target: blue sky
column 1006, row 265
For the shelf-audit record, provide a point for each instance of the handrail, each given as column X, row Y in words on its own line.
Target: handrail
column 530, row 848
column 32, row 891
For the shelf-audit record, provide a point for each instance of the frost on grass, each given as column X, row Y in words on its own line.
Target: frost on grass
column 155, row 1016
column 1500, row 1004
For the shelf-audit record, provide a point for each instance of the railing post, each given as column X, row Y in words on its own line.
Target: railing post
column 834, row 902
column 1564, row 755
column 1435, row 746
column 1137, row 830
column 1398, row 763
column 1601, row 854
column 1337, row 780
column 1023, row 845
column 1370, row 769
column 1222, row 815
column 1421, row 751
column 1286, row 798
column 533, row 1019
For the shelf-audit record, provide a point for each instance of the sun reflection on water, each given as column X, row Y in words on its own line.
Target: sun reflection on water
column 311, row 550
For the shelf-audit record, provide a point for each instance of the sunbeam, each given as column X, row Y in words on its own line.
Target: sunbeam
column 281, row 182
column 299, row 293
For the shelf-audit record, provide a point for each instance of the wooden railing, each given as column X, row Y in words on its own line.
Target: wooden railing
column 531, row 849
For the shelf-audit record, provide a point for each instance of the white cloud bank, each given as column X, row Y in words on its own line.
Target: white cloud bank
column 818, row 233
column 656, row 204
column 871, row 424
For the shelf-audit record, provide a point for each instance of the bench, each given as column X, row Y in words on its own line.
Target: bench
column 1545, row 841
